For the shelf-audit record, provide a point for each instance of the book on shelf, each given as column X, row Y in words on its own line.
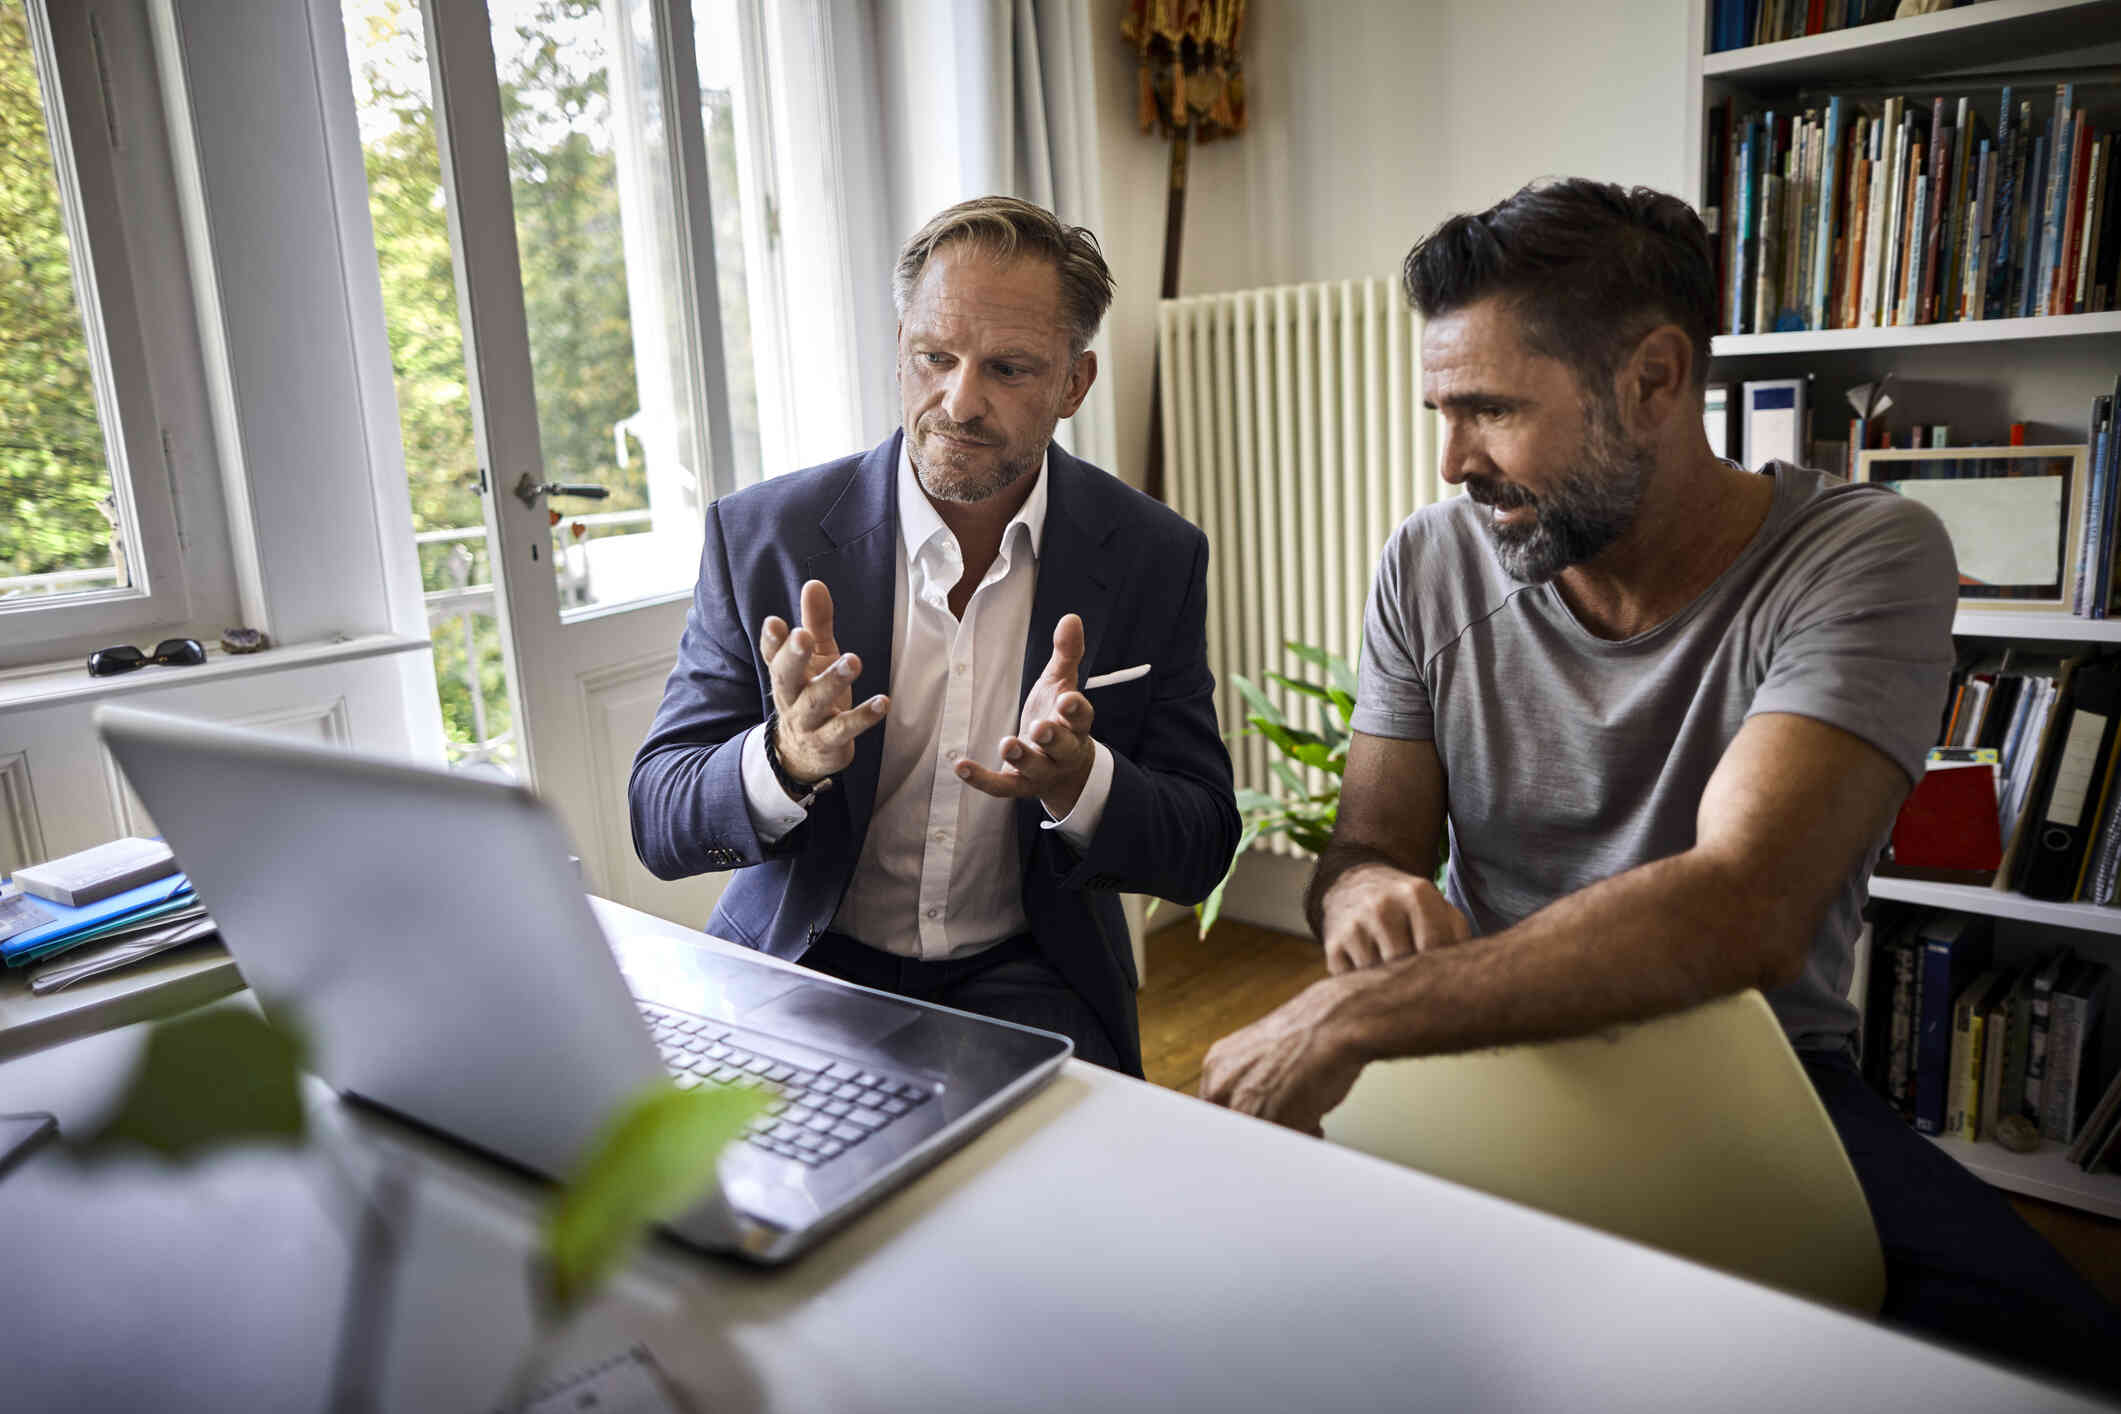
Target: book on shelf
column 2077, row 1010
column 1772, row 420
column 1889, row 1017
column 1962, row 1096
column 1868, row 211
column 1955, row 948
column 1946, row 828
column 2038, row 1031
column 1716, row 417
column 2105, row 1116
column 1741, row 24
column 2052, row 855
column 1996, row 1038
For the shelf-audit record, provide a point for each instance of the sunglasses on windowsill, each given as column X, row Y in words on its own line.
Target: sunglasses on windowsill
column 170, row 653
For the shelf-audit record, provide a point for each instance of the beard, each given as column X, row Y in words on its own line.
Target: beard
column 1591, row 505
column 967, row 475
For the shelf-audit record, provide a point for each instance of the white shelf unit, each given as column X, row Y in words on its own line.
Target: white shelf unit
column 1917, row 336
column 2045, row 1173
column 1978, row 376
column 1987, row 33
column 1999, row 903
column 2046, row 627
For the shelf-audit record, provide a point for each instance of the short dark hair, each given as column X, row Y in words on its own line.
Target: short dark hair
column 1588, row 268
column 1006, row 228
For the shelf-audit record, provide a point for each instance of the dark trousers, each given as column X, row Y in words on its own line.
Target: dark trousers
column 1960, row 1265
column 1011, row 981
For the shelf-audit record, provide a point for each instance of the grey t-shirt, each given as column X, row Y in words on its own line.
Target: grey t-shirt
column 1570, row 758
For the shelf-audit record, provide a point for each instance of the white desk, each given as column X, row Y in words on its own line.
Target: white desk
column 1109, row 1246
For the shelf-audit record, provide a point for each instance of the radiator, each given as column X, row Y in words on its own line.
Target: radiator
column 1295, row 437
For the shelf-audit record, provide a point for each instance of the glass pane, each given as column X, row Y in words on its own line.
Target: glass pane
column 590, row 172
column 62, row 533
column 387, row 50
column 729, row 115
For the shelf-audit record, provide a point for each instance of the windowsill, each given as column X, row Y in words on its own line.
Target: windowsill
column 49, row 685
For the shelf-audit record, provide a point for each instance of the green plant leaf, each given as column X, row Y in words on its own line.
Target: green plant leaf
column 1253, row 801
column 1345, row 679
column 654, row 1160
column 1311, row 839
column 1286, row 774
column 1344, row 703
column 1308, row 689
column 1316, row 657
column 207, row 1080
column 1261, row 704
column 1307, row 747
column 1211, row 907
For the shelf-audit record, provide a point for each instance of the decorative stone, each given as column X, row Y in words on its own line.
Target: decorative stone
column 243, row 640
column 2017, row 1134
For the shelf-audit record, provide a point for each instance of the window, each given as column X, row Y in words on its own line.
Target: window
column 88, row 546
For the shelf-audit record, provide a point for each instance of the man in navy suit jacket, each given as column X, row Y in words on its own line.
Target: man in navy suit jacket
column 1027, row 630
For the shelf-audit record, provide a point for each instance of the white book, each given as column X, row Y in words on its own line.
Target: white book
column 97, row 873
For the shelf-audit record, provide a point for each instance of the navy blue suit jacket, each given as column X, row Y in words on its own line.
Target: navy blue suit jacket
column 1137, row 574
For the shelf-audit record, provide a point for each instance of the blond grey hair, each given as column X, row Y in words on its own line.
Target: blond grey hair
column 1007, row 228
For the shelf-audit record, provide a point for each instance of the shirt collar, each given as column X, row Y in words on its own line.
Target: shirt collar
column 918, row 524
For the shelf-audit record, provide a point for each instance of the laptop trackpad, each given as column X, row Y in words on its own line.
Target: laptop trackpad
column 815, row 1013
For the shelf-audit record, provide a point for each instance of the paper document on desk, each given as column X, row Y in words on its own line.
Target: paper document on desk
column 630, row 1383
column 123, row 952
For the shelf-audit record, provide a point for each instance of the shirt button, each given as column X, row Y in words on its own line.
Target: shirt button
column 952, row 754
column 942, row 837
column 935, row 913
column 958, row 670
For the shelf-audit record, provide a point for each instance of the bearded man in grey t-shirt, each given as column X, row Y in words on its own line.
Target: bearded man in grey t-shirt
column 1667, row 709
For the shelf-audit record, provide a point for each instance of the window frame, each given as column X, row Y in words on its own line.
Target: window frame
column 74, row 48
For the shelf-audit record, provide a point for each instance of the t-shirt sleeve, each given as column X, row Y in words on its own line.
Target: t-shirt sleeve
column 1392, row 692
column 1867, row 646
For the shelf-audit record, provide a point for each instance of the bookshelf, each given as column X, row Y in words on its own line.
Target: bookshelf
column 2045, row 1173
column 1976, row 376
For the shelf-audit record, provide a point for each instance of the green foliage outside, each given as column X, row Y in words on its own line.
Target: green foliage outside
column 52, row 461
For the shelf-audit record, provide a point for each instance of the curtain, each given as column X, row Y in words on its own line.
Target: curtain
column 980, row 97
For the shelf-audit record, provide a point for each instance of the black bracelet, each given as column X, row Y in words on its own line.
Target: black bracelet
column 797, row 790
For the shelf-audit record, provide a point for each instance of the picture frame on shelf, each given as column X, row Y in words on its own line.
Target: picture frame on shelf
column 2015, row 516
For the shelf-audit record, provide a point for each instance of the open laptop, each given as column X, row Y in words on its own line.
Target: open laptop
column 430, row 937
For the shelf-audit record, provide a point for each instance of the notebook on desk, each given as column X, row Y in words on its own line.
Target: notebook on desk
column 428, row 934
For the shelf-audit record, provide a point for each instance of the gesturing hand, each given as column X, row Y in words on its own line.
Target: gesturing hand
column 1050, row 755
column 1375, row 913
column 813, row 689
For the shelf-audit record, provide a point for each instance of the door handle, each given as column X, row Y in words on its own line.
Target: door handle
column 528, row 491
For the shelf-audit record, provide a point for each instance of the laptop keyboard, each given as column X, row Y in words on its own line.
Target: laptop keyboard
column 814, row 1114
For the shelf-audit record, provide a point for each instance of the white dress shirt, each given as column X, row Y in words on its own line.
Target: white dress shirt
column 939, row 875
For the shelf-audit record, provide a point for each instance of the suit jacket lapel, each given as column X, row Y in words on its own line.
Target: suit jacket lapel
column 1073, row 578
column 861, row 570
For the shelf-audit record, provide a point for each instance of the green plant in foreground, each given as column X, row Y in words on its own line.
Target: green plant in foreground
column 1305, row 815
column 224, row 1076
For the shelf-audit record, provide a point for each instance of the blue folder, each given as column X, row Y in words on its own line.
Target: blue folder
column 68, row 924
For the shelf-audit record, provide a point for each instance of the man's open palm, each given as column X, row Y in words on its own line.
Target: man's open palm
column 1051, row 754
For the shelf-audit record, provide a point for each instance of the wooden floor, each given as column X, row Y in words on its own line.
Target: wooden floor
column 1200, row 991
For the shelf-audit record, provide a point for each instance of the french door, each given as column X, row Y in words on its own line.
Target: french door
column 572, row 146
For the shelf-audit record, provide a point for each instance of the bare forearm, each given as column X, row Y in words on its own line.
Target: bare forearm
column 1656, row 939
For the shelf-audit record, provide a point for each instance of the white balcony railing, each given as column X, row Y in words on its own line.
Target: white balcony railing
column 24, row 586
column 463, row 602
